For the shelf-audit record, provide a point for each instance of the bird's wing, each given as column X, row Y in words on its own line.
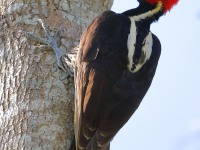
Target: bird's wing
column 89, row 88
column 91, row 80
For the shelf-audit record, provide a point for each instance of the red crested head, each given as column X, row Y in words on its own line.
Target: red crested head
column 167, row 4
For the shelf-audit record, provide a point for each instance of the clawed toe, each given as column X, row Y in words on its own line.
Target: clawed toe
column 48, row 40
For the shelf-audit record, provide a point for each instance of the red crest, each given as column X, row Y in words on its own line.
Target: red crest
column 167, row 4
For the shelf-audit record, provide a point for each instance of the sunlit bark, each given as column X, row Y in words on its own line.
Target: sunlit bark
column 36, row 98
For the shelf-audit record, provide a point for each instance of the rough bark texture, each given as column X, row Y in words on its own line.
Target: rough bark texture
column 36, row 98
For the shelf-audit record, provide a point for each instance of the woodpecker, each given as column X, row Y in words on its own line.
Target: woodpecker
column 115, row 65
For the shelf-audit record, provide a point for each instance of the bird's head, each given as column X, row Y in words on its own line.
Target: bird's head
column 166, row 4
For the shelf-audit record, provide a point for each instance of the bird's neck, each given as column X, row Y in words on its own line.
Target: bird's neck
column 146, row 12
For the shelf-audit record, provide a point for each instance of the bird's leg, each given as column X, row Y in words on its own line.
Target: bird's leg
column 52, row 42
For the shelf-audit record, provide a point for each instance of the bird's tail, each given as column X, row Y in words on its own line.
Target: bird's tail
column 94, row 143
column 73, row 144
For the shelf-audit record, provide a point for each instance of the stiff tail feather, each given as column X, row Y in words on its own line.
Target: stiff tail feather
column 73, row 144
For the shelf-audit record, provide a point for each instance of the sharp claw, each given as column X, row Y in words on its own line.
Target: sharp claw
column 40, row 20
column 46, row 30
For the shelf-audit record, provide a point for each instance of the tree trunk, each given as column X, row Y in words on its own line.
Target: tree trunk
column 36, row 98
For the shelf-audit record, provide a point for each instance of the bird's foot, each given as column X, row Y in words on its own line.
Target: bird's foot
column 50, row 40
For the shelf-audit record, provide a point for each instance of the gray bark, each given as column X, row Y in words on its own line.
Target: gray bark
column 36, row 98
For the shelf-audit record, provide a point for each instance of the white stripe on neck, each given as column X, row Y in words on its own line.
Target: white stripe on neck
column 146, row 52
column 131, row 44
column 149, row 13
column 148, row 41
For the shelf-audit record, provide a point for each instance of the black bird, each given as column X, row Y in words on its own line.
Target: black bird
column 116, row 62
